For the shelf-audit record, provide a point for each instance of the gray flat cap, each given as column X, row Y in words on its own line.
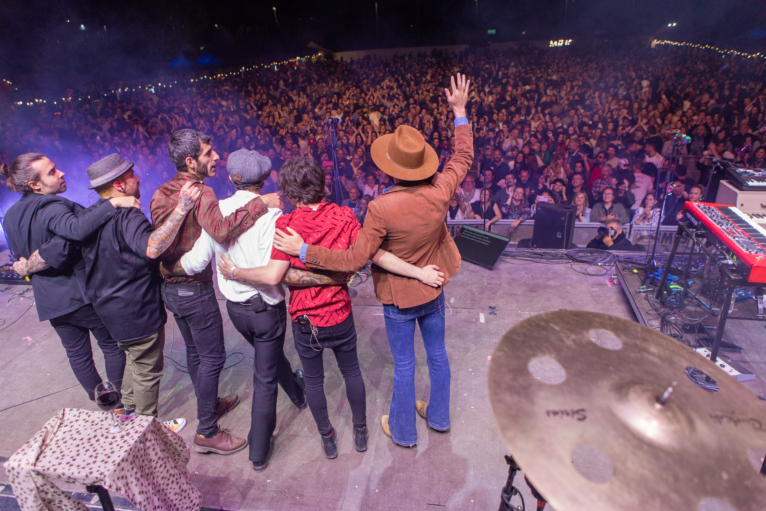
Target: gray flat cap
column 247, row 167
column 107, row 169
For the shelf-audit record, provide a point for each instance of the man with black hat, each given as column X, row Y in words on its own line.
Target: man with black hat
column 123, row 284
column 258, row 312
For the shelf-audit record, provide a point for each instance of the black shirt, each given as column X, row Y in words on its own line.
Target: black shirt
column 121, row 282
column 621, row 242
column 489, row 214
column 672, row 207
column 37, row 220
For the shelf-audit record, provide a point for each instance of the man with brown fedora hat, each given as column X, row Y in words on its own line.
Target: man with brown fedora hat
column 407, row 220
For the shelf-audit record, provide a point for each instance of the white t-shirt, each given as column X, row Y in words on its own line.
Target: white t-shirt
column 642, row 186
column 657, row 159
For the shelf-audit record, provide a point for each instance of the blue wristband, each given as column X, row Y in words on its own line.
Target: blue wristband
column 231, row 272
column 460, row 121
column 304, row 248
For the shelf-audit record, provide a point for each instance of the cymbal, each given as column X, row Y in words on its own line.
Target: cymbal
column 669, row 456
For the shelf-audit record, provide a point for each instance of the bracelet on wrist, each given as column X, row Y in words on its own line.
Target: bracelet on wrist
column 231, row 272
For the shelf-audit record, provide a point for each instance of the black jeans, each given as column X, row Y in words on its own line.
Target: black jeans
column 342, row 340
column 265, row 331
column 198, row 318
column 73, row 329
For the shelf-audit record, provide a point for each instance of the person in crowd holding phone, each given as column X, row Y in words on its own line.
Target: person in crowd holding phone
column 543, row 196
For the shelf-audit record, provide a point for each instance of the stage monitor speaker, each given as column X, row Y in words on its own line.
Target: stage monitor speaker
column 554, row 226
column 480, row 247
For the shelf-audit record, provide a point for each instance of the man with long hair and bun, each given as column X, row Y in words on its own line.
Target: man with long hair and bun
column 407, row 220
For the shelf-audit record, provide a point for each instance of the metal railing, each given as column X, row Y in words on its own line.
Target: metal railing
column 584, row 232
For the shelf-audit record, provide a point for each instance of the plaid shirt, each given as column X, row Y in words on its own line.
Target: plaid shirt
column 600, row 184
column 205, row 215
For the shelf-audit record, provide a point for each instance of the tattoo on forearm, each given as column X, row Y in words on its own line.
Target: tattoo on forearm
column 161, row 239
column 178, row 269
column 302, row 278
column 35, row 263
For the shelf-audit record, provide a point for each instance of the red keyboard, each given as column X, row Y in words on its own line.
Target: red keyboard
column 734, row 229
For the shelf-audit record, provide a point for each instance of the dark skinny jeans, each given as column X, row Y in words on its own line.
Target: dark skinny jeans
column 341, row 339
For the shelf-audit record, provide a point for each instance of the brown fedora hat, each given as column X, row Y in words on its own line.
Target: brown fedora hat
column 405, row 155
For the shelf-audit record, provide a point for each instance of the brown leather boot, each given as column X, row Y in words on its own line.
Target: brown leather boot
column 222, row 443
column 225, row 405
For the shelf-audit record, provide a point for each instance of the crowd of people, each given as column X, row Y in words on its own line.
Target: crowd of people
column 560, row 124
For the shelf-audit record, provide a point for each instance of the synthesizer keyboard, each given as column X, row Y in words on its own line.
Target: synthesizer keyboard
column 745, row 178
column 728, row 227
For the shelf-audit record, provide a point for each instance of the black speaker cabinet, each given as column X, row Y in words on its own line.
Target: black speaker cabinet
column 554, row 226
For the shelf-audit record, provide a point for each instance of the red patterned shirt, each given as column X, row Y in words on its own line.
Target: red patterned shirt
column 332, row 227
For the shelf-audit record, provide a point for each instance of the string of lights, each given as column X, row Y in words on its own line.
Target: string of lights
column 657, row 42
column 152, row 88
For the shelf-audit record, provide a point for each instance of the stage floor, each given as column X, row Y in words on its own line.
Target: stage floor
column 461, row 470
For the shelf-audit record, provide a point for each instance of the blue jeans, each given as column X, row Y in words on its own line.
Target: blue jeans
column 400, row 327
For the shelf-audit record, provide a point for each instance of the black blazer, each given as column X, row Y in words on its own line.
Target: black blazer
column 37, row 219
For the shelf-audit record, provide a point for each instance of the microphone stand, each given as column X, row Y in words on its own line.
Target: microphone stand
column 483, row 211
column 332, row 123
column 678, row 142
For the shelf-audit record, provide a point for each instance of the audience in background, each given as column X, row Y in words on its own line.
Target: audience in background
column 538, row 116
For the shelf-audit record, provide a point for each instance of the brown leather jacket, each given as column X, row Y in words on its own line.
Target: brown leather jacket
column 409, row 222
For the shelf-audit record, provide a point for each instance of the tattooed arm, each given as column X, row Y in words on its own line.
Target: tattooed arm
column 35, row 263
column 161, row 239
column 303, row 278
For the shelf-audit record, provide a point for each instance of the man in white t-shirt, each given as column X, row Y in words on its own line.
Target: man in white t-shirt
column 258, row 312
column 652, row 156
column 643, row 184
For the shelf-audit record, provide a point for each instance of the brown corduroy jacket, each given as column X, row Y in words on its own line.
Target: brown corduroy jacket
column 409, row 222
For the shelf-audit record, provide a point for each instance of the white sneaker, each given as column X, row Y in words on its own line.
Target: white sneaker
column 175, row 425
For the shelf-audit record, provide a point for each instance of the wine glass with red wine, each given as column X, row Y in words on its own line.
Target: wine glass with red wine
column 107, row 398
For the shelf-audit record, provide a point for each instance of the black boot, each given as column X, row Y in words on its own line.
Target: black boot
column 301, row 382
column 330, row 444
column 360, row 438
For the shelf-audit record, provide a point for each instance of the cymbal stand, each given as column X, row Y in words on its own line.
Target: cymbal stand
column 510, row 491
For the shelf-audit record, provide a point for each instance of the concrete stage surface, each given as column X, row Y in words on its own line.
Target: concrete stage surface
column 462, row 470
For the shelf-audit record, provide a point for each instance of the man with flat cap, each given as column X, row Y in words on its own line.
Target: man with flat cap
column 122, row 280
column 407, row 220
column 258, row 312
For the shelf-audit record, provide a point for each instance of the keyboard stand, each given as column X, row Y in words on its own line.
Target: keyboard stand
column 730, row 280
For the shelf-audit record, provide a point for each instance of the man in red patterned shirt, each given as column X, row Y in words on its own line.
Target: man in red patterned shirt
column 321, row 316
column 191, row 299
